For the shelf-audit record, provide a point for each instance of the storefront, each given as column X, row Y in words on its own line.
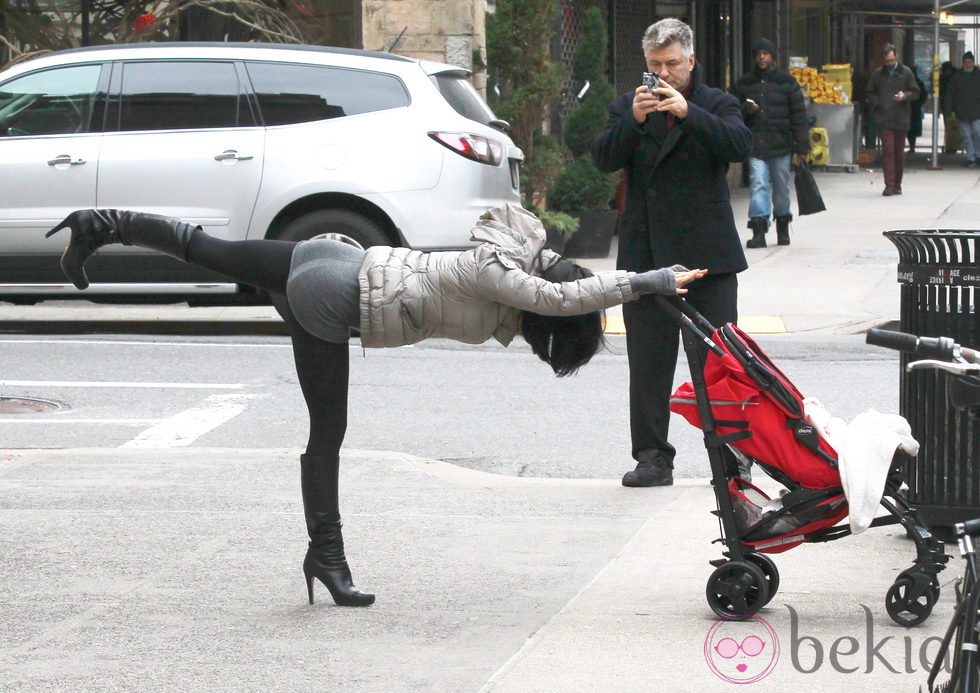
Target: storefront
column 834, row 38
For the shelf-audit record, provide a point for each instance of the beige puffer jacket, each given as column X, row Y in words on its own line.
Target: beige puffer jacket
column 470, row 296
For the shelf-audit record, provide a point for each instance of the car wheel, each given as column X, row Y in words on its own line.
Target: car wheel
column 336, row 224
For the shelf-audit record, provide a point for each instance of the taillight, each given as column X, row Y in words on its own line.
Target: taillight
column 475, row 147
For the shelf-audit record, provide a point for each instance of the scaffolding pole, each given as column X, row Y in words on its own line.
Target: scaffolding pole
column 935, row 86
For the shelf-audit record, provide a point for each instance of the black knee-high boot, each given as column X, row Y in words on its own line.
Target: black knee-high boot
column 325, row 558
column 93, row 228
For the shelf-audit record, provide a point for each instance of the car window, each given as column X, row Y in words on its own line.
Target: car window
column 52, row 102
column 176, row 95
column 464, row 99
column 304, row 93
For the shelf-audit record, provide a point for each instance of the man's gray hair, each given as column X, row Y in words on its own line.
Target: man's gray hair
column 667, row 32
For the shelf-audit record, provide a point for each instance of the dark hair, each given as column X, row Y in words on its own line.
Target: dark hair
column 564, row 342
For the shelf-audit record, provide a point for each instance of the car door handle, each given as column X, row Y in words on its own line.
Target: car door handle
column 232, row 154
column 65, row 159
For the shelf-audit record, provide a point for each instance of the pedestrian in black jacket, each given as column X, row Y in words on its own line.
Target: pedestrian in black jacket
column 917, row 114
column 675, row 143
column 772, row 102
column 964, row 98
column 893, row 89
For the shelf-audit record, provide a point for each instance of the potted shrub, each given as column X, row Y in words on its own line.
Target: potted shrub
column 524, row 83
column 560, row 228
column 581, row 189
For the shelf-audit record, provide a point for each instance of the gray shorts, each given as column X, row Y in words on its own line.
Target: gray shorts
column 323, row 290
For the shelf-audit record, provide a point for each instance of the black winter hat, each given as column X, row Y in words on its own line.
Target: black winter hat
column 763, row 45
column 968, row 55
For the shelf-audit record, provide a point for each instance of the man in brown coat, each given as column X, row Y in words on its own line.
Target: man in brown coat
column 893, row 89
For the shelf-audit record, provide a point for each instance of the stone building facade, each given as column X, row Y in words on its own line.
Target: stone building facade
column 445, row 31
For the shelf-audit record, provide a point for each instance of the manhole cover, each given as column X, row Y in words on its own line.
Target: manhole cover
column 24, row 405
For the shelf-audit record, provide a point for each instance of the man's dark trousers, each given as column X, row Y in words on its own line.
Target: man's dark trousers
column 652, row 342
column 893, row 156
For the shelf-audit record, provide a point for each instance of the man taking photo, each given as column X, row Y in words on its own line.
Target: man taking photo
column 675, row 141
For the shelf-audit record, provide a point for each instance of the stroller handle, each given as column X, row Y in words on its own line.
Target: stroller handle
column 689, row 319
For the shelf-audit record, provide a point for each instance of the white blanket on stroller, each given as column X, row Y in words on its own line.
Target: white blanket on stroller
column 865, row 448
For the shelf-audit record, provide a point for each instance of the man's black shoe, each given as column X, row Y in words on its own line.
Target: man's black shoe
column 656, row 472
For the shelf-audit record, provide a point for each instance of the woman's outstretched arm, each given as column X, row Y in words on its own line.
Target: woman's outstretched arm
column 515, row 288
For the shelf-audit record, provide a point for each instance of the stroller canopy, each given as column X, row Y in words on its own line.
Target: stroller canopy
column 748, row 394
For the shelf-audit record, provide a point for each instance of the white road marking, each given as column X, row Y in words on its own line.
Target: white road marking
column 101, row 383
column 108, row 342
column 184, row 428
column 121, row 422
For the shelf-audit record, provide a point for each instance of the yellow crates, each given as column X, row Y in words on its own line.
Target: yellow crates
column 819, row 147
column 843, row 71
column 819, row 156
column 818, row 89
column 840, row 78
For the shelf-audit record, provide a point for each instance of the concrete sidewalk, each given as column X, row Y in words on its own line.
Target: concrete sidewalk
column 180, row 570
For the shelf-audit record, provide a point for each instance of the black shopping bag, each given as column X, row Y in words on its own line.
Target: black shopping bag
column 808, row 197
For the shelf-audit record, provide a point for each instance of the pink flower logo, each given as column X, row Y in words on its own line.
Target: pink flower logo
column 741, row 651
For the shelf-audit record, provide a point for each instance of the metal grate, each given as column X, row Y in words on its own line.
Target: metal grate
column 569, row 36
column 630, row 18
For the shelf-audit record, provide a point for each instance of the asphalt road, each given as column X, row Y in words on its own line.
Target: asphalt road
column 482, row 407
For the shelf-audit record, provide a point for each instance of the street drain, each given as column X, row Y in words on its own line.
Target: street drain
column 26, row 405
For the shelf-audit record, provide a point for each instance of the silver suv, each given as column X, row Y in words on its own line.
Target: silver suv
column 247, row 140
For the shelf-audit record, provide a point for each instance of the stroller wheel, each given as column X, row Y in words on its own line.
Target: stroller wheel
column 768, row 568
column 909, row 601
column 922, row 577
column 736, row 590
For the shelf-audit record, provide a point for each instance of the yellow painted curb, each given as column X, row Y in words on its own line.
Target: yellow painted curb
column 614, row 325
column 753, row 324
column 762, row 324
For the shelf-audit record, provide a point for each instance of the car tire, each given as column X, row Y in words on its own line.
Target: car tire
column 340, row 224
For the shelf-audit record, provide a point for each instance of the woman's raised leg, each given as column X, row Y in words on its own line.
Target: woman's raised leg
column 261, row 263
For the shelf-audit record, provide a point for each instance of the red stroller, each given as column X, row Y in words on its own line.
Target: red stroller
column 750, row 412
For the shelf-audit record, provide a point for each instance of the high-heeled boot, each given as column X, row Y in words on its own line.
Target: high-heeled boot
column 325, row 558
column 93, row 228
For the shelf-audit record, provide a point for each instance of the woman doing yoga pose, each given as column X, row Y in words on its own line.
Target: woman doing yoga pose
column 509, row 284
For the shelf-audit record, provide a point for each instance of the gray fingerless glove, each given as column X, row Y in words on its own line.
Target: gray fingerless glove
column 659, row 281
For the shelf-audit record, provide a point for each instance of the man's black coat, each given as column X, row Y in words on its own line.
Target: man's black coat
column 678, row 207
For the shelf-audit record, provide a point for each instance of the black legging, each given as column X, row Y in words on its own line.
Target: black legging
column 322, row 367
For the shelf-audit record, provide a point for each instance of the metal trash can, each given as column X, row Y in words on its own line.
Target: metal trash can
column 939, row 271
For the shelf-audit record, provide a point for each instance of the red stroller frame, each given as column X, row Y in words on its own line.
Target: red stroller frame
column 746, row 578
